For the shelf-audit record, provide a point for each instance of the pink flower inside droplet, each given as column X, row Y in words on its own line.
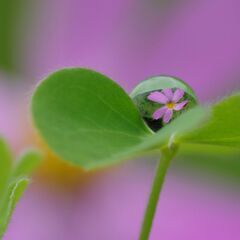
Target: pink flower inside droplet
column 170, row 101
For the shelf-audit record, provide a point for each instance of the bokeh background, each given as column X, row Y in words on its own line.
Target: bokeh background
column 128, row 40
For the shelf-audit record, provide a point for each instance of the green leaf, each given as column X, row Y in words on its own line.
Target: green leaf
column 14, row 193
column 87, row 119
column 26, row 164
column 5, row 166
column 223, row 128
column 13, row 180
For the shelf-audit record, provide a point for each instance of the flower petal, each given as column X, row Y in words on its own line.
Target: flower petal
column 168, row 115
column 168, row 93
column 158, row 97
column 180, row 106
column 159, row 113
column 177, row 95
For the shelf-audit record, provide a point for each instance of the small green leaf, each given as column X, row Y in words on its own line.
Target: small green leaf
column 5, row 166
column 14, row 193
column 13, row 180
column 26, row 164
column 87, row 119
column 223, row 128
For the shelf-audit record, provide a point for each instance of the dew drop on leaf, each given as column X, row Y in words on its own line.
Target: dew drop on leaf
column 161, row 99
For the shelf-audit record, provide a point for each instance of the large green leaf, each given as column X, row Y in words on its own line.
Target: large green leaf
column 87, row 119
column 223, row 128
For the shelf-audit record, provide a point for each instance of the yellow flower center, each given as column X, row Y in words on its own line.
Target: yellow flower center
column 170, row 105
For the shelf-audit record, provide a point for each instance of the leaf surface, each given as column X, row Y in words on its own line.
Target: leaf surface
column 15, row 191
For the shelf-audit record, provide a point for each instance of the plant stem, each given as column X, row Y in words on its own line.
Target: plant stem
column 158, row 181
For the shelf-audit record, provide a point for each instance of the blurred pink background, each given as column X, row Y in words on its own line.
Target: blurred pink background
column 128, row 40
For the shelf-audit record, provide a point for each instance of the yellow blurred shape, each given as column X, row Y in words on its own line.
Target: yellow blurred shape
column 55, row 171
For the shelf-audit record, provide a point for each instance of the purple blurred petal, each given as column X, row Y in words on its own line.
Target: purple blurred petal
column 159, row 113
column 177, row 95
column 180, row 106
column 168, row 115
column 158, row 97
column 168, row 93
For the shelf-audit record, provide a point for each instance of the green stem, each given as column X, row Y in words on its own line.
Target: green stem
column 158, row 181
